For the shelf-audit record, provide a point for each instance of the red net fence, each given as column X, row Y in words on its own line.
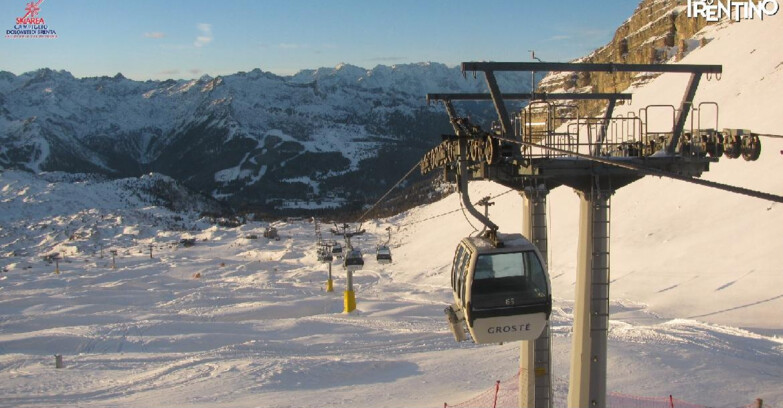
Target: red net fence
column 505, row 394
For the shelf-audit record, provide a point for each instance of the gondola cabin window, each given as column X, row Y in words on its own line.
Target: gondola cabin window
column 510, row 279
column 455, row 266
column 464, row 265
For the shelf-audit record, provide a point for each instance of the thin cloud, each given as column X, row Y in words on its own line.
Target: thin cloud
column 169, row 72
column 291, row 46
column 195, row 71
column 559, row 38
column 206, row 35
column 154, row 34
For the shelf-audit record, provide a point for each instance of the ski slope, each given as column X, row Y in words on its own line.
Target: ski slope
column 697, row 288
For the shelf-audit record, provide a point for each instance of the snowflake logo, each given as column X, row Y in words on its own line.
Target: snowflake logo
column 32, row 9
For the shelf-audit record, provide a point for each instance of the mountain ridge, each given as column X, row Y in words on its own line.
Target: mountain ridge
column 251, row 138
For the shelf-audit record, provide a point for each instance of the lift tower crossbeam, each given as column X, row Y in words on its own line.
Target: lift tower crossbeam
column 489, row 69
column 539, row 96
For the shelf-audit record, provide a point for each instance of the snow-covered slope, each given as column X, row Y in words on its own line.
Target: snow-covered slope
column 696, row 298
column 78, row 213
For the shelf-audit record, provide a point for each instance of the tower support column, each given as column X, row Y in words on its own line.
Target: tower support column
column 535, row 375
column 587, row 386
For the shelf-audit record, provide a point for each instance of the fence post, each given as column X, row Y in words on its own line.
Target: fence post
column 759, row 401
column 671, row 401
column 497, row 388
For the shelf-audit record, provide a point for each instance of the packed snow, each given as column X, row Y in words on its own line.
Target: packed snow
column 236, row 321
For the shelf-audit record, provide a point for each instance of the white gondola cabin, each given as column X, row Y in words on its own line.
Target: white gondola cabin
column 383, row 255
column 353, row 260
column 337, row 250
column 501, row 293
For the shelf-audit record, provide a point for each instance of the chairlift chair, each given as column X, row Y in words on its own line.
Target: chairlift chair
column 353, row 261
column 383, row 255
column 324, row 255
column 501, row 293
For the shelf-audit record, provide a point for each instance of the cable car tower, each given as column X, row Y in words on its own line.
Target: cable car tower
column 549, row 144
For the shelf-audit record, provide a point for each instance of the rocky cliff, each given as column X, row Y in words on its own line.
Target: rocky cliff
column 657, row 32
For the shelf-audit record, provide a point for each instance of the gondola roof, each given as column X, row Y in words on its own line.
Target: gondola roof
column 511, row 242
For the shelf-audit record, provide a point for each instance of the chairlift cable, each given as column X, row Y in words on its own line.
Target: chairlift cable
column 415, row 166
column 453, row 211
column 769, row 135
column 655, row 172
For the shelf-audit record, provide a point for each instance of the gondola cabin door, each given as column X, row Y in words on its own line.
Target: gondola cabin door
column 501, row 294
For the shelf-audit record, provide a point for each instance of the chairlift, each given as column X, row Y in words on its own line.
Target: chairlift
column 383, row 255
column 324, row 255
column 353, row 261
column 501, row 292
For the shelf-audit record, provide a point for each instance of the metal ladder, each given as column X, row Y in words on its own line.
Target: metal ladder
column 599, row 300
column 543, row 369
column 600, row 268
column 543, row 344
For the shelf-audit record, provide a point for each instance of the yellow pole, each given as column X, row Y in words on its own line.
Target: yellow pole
column 350, row 301
column 350, row 296
column 329, row 282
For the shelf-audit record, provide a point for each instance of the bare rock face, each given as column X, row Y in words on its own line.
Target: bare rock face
column 658, row 31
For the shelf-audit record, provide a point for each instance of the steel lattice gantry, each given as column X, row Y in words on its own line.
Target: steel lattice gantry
column 595, row 176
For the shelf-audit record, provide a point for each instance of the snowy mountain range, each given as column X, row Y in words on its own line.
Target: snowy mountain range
column 239, row 321
column 328, row 136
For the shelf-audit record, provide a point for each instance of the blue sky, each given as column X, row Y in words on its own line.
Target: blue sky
column 156, row 39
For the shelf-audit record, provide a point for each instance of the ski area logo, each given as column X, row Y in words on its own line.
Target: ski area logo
column 715, row 10
column 30, row 25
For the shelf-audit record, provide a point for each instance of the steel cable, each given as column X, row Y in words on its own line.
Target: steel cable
column 389, row 192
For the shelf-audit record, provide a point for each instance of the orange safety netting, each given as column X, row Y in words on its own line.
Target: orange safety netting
column 617, row 400
column 505, row 394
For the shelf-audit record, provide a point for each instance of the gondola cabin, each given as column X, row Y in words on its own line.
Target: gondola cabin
column 353, row 260
column 501, row 294
column 337, row 250
column 383, row 255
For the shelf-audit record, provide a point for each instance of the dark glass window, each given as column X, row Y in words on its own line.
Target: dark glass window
column 507, row 280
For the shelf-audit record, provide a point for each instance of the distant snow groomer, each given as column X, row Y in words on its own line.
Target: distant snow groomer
column 501, row 290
